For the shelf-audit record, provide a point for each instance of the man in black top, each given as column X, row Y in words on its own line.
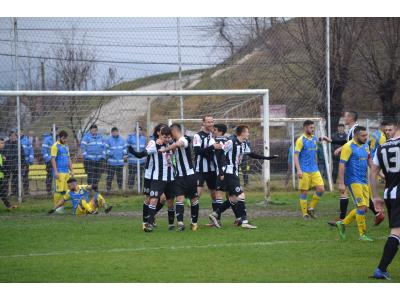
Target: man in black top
column 340, row 136
column 10, row 153
column 387, row 159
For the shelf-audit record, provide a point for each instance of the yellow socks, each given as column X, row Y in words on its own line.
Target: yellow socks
column 315, row 200
column 57, row 197
column 361, row 222
column 350, row 217
column 303, row 204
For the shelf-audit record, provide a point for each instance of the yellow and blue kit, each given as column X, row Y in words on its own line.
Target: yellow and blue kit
column 60, row 153
column 81, row 202
column 355, row 157
column 306, row 148
column 376, row 138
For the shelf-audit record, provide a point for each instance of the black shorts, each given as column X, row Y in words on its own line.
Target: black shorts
column 210, row 178
column 158, row 187
column 186, row 186
column 220, row 186
column 146, row 186
column 393, row 209
column 232, row 184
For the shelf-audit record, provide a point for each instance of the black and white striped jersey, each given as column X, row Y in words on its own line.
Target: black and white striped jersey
column 183, row 158
column 350, row 134
column 203, row 147
column 219, row 155
column 235, row 150
column 387, row 157
column 159, row 166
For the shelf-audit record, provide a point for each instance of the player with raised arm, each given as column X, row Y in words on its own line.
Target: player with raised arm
column 353, row 175
column 306, row 162
column 62, row 165
column 161, row 171
column 204, row 146
column 235, row 148
column 387, row 159
column 185, row 184
column 82, row 202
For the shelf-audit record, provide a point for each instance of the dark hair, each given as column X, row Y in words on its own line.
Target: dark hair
column 62, row 134
column 1, row 139
column 206, row 116
column 241, row 128
column 221, row 128
column 341, row 125
column 358, row 129
column 157, row 129
column 165, row 131
column 114, row 129
column 93, row 126
column 176, row 125
column 384, row 123
column 307, row 123
column 354, row 114
column 71, row 180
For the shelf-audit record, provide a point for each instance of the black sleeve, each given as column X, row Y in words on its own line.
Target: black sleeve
column 258, row 156
column 221, row 160
column 339, row 142
column 199, row 151
column 139, row 154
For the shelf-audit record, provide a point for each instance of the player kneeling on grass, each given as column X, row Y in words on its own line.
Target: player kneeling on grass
column 235, row 148
column 82, row 202
column 353, row 174
column 306, row 162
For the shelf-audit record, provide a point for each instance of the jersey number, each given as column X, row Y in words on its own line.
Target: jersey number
column 393, row 159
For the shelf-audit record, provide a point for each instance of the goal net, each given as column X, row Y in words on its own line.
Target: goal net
column 37, row 116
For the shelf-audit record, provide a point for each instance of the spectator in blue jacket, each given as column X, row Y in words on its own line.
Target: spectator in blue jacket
column 94, row 154
column 29, row 155
column 132, row 160
column 47, row 143
column 116, row 153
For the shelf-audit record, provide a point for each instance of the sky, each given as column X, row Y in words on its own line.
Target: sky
column 136, row 47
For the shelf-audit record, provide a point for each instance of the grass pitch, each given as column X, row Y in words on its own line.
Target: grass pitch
column 35, row 247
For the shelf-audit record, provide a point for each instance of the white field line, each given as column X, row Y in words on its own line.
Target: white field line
column 143, row 249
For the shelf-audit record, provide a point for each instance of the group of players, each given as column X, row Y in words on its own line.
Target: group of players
column 170, row 173
column 381, row 153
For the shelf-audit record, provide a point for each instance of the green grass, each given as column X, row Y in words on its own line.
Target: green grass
column 35, row 247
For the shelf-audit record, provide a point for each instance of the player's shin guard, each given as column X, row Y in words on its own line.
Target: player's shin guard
column 194, row 211
column 361, row 221
column 389, row 252
column 145, row 212
column 224, row 206
column 303, row 204
column 315, row 199
column 217, row 206
column 241, row 208
column 171, row 216
column 152, row 213
column 372, row 207
column 179, row 208
column 235, row 209
column 344, row 203
column 350, row 217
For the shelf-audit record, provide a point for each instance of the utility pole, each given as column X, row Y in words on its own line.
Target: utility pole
column 178, row 29
column 328, row 87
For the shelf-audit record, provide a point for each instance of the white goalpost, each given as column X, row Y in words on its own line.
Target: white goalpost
column 263, row 119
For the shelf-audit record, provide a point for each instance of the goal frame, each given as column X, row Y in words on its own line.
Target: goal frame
column 161, row 93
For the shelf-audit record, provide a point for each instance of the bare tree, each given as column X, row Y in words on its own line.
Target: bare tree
column 380, row 63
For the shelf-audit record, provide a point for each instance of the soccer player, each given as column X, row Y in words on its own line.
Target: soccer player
column 62, row 165
column 306, row 162
column 3, row 186
column 235, row 148
column 82, row 202
column 376, row 138
column 47, row 142
column 387, row 159
column 185, row 184
column 353, row 175
column 204, row 146
column 116, row 152
column 161, row 172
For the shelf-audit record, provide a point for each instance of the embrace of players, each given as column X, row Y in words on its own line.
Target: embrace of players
column 170, row 173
